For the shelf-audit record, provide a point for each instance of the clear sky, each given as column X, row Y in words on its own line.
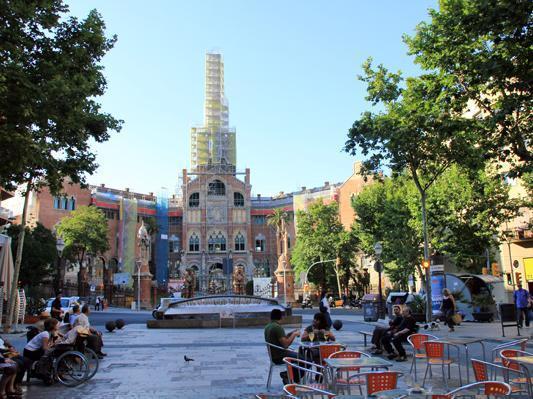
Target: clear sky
column 290, row 78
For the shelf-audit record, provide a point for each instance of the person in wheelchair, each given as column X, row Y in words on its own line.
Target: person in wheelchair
column 42, row 342
column 94, row 340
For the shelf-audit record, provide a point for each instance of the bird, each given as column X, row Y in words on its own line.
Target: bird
column 187, row 359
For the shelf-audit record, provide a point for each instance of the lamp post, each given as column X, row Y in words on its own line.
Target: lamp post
column 138, row 263
column 60, row 246
column 508, row 239
column 378, row 267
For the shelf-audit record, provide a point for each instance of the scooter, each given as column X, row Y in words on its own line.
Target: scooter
column 306, row 303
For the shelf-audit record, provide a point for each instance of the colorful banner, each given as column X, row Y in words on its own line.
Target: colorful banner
column 127, row 237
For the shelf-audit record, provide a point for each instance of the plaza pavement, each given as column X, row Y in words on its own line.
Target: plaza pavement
column 228, row 363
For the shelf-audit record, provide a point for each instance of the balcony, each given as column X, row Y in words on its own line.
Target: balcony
column 522, row 237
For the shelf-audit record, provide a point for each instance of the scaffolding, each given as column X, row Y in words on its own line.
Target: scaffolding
column 161, row 250
column 214, row 143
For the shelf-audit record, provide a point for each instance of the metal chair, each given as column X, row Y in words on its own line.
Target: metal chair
column 435, row 357
column 493, row 388
column 325, row 350
column 486, row 371
column 274, row 396
column 521, row 343
column 273, row 365
column 417, row 343
column 342, row 380
column 305, row 370
column 507, row 360
column 377, row 381
column 306, row 392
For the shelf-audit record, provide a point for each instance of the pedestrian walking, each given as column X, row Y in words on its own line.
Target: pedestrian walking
column 97, row 303
column 522, row 301
column 325, row 308
column 448, row 308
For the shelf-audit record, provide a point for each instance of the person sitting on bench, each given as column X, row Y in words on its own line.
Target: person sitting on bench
column 380, row 331
column 406, row 328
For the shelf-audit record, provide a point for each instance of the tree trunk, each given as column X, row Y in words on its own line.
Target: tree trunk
column 338, row 281
column 18, row 261
column 429, row 302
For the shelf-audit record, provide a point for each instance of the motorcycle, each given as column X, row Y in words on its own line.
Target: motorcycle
column 306, row 303
column 356, row 304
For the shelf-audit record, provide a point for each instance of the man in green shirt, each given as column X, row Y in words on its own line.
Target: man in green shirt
column 275, row 335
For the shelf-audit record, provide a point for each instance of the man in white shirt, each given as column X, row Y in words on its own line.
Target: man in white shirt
column 94, row 341
column 75, row 314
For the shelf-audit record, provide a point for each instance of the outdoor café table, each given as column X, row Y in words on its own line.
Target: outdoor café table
column 465, row 342
column 525, row 360
column 362, row 362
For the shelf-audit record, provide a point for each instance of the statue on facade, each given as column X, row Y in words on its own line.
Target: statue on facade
column 145, row 243
column 239, row 281
column 189, row 284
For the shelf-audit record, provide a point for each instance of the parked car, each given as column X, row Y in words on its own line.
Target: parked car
column 67, row 303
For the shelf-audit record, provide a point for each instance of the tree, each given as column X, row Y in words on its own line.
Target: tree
column 416, row 131
column 482, row 51
column 39, row 254
column 50, row 78
column 84, row 232
column 383, row 215
column 321, row 237
column 276, row 221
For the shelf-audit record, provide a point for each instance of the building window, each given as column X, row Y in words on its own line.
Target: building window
column 72, row 204
column 259, row 219
column 289, row 242
column 173, row 244
column 260, row 243
column 109, row 213
column 65, row 203
column 194, row 243
column 216, row 242
column 57, row 202
column 174, row 220
column 238, row 200
column 239, row 242
column 216, row 187
column 194, row 200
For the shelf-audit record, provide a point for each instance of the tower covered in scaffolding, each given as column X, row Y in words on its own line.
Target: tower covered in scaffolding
column 213, row 145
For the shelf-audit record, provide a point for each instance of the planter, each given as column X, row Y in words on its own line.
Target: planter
column 419, row 317
column 30, row 319
column 484, row 317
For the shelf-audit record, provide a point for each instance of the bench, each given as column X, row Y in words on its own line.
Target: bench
column 366, row 334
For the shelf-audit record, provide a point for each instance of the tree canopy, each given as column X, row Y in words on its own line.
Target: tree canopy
column 39, row 254
column 481, row 52
column 50, row 78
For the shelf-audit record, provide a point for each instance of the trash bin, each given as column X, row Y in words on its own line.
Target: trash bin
column 371, row 307
column 400, row 299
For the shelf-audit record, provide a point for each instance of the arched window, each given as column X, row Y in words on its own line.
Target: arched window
column 216, row 187
column 64, row 203
column 289, row 241
column 239, row 242
column 194, row 243
column 194, row 200
column 260, row 243
column 72, row 204
column 216, row 242
column 238, row 199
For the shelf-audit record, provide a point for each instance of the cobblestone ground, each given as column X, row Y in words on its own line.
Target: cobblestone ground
column 229, row 363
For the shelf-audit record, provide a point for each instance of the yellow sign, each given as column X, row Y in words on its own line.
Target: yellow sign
column 528, row 268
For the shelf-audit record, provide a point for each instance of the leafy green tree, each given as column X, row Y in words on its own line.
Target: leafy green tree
column 276, row 221
column 84, row 232
column 39, row 254
column 321, row 237
column 413, row 131
column 50, row 79
column 482, row 52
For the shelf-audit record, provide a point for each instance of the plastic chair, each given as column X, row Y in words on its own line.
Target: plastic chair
column 522, row 343
column 304, row 368
column 273, row 365
column 485, row 371
column 494, row 388
column 306, row 392
column 525, row 379
column 377, row 381
column 435, row 357
column 326, row 350
column 417, row 343
column 342, row 379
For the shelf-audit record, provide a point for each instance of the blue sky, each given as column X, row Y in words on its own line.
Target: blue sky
column 290, row 80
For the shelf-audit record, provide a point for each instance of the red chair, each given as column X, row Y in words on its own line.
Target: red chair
column 485, row 371
column 299, row 391
column 507, row 360
column 417, row 343
column 520, row 343
column 435, row 356
column 493, row 388
column 342, row 379
column 377, row 381
column 326, row 350
column 307, row 374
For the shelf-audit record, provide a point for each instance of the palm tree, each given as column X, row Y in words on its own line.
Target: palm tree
column 276, row 220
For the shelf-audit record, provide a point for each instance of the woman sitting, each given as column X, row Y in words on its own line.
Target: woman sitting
column 319, row 330
column 7, row 382
column 8, row 351
column 43, row 341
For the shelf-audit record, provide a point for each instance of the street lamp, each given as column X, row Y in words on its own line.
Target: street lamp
column 378, row 267
column 60, row 246
column 508, row 239
column 138, row 262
